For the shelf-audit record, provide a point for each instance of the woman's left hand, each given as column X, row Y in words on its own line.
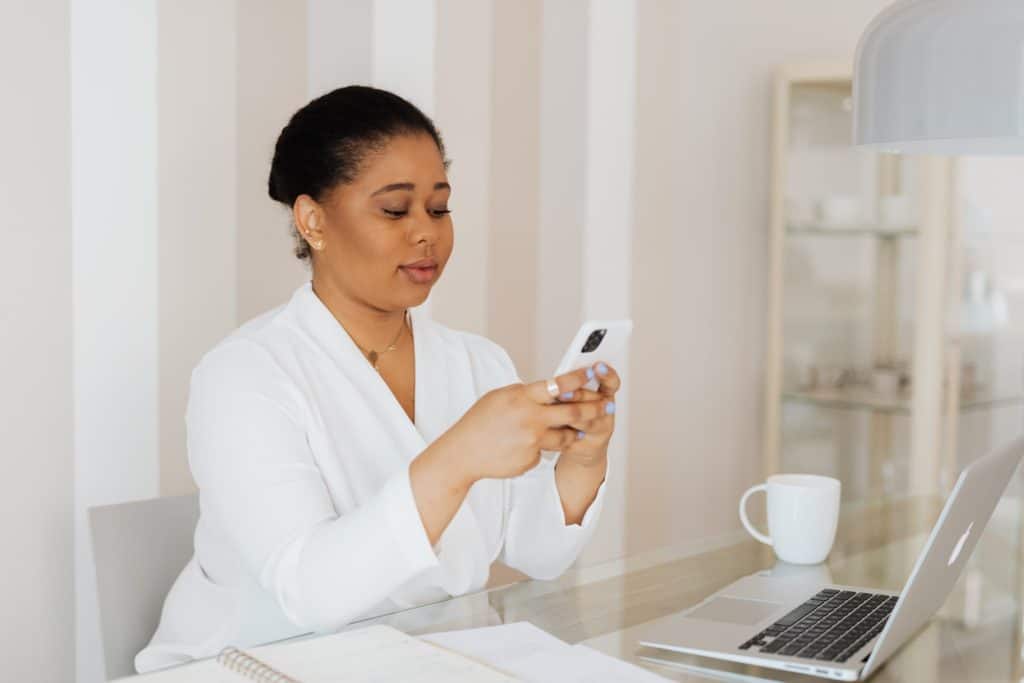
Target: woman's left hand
column 591, row 446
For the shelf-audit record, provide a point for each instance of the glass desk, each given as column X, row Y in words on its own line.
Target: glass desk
column 975, row 637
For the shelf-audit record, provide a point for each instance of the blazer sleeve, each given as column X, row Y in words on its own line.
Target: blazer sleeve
column 259, row 484
column 538, row 541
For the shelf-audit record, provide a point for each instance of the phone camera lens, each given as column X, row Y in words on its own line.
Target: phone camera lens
column 594, row 340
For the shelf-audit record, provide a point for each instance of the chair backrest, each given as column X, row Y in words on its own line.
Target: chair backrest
column 139, row 549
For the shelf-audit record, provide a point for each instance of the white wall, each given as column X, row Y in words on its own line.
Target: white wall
column 608, row 229
column 587, row 140
column 271, row 85
column 340, row 44
column 464, row 111
column 700, row 248
column 114, row 286
column 36, row 491
column 512, row 225
column 404, row 48
column 198, row 213
column 558, row 294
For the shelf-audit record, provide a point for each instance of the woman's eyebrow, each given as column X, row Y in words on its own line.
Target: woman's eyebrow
column 392, row 187
column 408, row 186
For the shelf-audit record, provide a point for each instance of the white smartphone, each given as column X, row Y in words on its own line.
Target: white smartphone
column 598, row 340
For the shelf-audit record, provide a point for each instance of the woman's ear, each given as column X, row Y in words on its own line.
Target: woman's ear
column 309, row 220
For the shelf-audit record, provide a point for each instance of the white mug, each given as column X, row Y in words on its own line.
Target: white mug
column 803, row 512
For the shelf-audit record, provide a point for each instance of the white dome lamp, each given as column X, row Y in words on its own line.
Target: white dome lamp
column 942, row 77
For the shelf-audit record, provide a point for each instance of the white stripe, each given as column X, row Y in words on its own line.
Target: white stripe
column 114, row 277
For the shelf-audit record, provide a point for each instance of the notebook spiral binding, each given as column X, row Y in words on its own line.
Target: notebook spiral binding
column 249, row 667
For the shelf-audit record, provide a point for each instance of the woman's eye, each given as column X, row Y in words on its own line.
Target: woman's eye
column 436, row 213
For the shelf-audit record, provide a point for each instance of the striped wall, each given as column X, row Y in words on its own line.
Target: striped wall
column 609, row 159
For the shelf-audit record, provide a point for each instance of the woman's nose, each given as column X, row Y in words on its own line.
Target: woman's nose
column 423, row 228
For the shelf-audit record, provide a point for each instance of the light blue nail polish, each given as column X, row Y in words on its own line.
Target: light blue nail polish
column 590, row 373
column 579, row 435
column 566, row 396
column 610, row 408
column 602, row 369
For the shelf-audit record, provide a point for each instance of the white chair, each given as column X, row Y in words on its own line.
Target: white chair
column 139, row 549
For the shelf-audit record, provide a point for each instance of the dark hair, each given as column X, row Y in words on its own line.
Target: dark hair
column 325, row 142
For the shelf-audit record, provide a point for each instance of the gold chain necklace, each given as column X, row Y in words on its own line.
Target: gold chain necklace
column 374, row 356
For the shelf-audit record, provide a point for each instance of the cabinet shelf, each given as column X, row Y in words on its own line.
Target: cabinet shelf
column 863, row 398
column 866, row 230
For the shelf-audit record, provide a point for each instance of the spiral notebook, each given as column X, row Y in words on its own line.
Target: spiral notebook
column 373, row 654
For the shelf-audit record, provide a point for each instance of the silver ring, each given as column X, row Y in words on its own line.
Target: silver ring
column 553, row 390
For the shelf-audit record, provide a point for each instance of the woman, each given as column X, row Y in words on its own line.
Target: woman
column 354, row 457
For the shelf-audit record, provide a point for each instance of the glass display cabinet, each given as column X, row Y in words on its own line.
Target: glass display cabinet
column 894, row 348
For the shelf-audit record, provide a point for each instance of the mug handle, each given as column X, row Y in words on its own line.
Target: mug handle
column 743, row 514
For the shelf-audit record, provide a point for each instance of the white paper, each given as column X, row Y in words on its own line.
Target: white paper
column 371, row 655
column 376, row 654
column 535, row 656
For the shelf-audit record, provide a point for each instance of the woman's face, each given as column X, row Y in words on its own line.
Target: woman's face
column 388, row 235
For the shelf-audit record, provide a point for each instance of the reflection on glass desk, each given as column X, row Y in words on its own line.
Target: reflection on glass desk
column 975, row 637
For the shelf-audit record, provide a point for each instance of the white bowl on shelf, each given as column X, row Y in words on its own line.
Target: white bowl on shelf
column 840, row 211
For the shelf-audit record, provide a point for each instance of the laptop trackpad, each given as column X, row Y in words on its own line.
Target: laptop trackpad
column 734, row 610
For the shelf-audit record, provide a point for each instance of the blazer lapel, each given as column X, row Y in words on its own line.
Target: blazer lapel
column 460, row 549
column 463, row 563
column 336, row 343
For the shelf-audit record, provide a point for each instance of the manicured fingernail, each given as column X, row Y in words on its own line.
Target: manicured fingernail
column 590, row 373
column 609, row 408
column 602, row 369
column 566, row 396
column 579, row 435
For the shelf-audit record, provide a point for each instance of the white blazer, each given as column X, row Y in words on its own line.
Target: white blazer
column 307, row 519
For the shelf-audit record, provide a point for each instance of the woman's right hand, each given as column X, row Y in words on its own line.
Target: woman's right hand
column 503, row 433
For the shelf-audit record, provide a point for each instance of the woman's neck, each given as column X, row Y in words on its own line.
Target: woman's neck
column 371, row 328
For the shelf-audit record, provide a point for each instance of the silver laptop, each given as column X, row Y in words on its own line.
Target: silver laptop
column 841, row 632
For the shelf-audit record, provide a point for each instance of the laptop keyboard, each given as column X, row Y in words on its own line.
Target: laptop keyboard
column 831, row 626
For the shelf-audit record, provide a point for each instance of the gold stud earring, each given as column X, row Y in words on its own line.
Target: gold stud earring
column 318, row 245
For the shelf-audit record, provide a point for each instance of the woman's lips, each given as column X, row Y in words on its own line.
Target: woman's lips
column 420, row 272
